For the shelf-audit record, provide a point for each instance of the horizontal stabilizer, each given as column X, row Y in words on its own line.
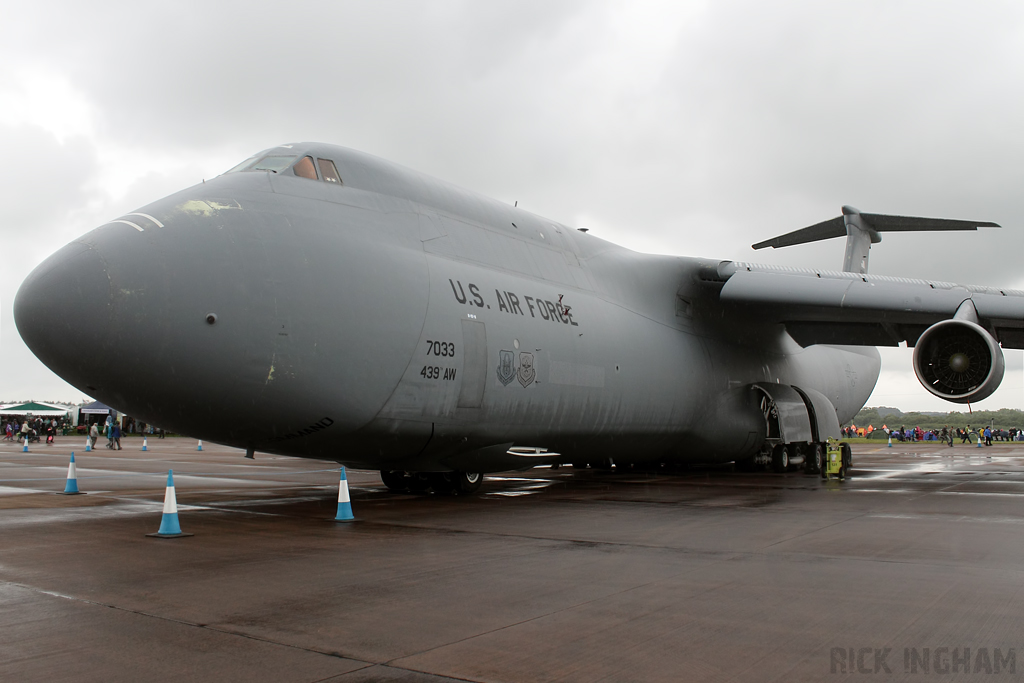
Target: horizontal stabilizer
column 883, row 223
column 878, row 222
column 862, row 230
column 820, row 231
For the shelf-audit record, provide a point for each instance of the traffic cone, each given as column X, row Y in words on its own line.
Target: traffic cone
column 890, row 441
column 24, row 449
column 88, row 444
column 344, row 502
column 979, row 440
column 200, row 447
column 71, row 487
column 169, row 527
column 144, row 444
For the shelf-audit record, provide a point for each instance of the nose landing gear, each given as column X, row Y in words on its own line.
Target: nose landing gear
column 443, row 483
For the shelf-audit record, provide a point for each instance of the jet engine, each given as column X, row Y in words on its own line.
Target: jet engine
column 958, row 360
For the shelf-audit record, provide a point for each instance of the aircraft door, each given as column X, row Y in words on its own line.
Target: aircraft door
column 474, row 364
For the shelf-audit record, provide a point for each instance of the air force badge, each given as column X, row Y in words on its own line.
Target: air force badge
column 527, row 373
column 506, row 366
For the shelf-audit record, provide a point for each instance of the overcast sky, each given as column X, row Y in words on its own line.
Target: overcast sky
column 693, row 128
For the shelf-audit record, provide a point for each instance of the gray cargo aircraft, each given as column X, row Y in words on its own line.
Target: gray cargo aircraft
column 319, row 302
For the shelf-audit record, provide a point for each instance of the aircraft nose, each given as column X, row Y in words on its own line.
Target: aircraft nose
column 62, row 310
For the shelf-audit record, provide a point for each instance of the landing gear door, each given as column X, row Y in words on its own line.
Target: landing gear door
column 794, row 423
column 823, row 413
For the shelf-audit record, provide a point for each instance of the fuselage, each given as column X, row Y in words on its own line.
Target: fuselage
column 395, row 321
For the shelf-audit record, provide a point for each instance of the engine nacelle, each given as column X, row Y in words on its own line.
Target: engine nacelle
column 959, row 361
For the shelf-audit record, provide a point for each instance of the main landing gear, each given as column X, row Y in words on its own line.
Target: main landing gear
column 443, row 483
column 812, row 458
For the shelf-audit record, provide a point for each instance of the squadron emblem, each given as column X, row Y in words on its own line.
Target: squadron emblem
column 527, row 373
column 506, row 366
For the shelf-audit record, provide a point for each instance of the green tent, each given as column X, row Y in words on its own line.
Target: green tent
column 33, row 408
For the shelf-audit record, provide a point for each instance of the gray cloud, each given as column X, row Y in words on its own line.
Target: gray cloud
column 686, row 128
column 42, row 181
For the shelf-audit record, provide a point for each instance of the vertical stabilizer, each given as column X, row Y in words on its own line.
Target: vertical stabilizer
column 859, row 238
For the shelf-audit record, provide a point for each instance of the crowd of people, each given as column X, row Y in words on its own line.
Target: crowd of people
column 946, row 435
column 34, row 428
column 112, row 430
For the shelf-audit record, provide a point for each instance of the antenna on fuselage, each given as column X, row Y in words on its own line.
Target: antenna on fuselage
column 862, row 230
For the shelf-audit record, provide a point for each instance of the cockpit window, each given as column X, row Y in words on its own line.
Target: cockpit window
column 328, row 172
column 272, row 162
column 242, row 165
column 304, row 168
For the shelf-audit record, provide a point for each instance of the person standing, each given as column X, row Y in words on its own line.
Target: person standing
column 94, row 433
column 115, row 435
column 988, row 436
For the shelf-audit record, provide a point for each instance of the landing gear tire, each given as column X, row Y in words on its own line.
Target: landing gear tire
column 418, row 482
column 847, row 454
column 395, row 480
column 780, row 459
column 466, row 483
column 815, row 459
column 442, row 483
column 795, row 453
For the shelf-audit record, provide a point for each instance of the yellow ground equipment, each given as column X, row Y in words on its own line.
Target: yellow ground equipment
column 834, row 465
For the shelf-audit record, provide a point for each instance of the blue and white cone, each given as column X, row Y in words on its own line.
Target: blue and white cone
column 88, row 444
column 344, row 502
column 979, row 439
column 24, row 449
column 71, row 487
column 169, row 526
column 144, row 444
column 200, row 447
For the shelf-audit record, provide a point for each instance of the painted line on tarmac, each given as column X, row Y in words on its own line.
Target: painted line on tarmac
column 949, row 518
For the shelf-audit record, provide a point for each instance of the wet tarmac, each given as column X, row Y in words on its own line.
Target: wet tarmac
column 704, row 574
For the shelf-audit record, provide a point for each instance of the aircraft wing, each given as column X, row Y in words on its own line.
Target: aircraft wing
column 830, row 307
